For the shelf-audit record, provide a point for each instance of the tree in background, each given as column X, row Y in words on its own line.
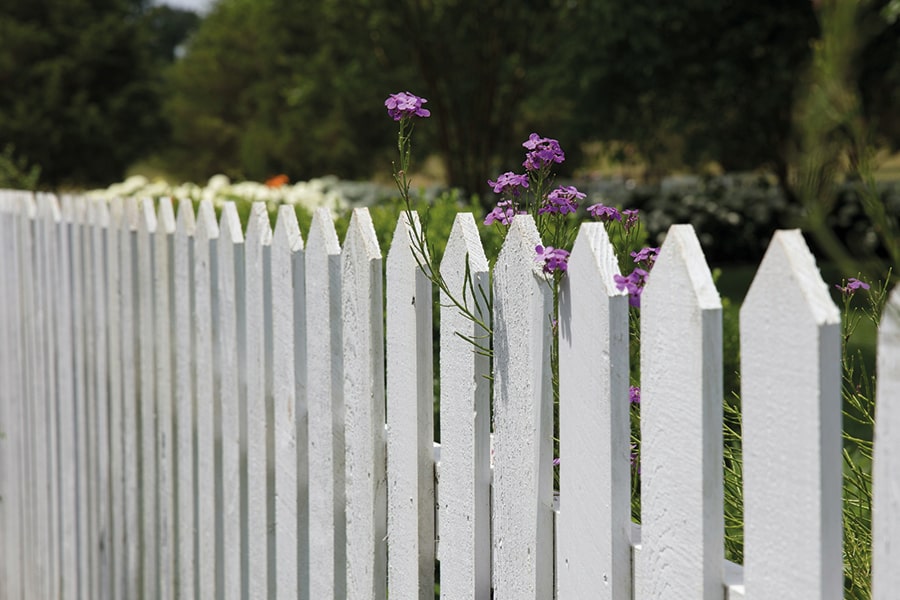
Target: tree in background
column 272, row 86
column 78, row 93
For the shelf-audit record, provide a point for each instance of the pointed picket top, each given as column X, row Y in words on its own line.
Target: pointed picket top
column 230, row 224
column 81, row 208
column 410, row 415
column 791, row 403
column 165, row 216
column 682, row 549
column 886, row 463
column 523, row 420
column 288, row 408
column 146, row 221
column 363, row 353
column 185, row 221
column 327, row 523
column 259, row 229
column 322, row 231
column 594, row 523
column 132, row 216
column 230, row 332
column 48, row 207
column 206, row 226
column 67, row 208
column 464, row 492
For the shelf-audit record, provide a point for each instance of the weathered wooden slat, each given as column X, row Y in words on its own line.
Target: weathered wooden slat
column 363, row 339
column 465, row 483
column 327, row 525
column 11, row 398
column 146, row 256
column 523, row 420
column 886, row 463
column 204, row 315
column 64, row 384
column 410, row 414
column 258, row 389
column 289, row 409
column 115, row 233
column 594, row 542
column 163, row 302
column 101, row 386
column 231, row 344
column 47, row 400
column 84, row 434
column 791, row 401
column 682, row 531
column 185, row 523
column 26, row 235
column 131, row 432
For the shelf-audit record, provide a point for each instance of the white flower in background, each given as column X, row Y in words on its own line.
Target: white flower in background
column 312, row 194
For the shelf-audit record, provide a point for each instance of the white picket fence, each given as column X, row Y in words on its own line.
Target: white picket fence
column 191, row 411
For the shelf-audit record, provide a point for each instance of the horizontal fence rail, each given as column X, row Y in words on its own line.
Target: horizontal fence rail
column 191, row 410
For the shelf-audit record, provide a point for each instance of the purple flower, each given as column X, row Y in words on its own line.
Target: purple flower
column 503, row 213
column 604, row 213
column 509, row 181
column 645, row 255
column 556, row 462
column 403, row 105
column 555, row 259
column 634, row 394
column 562, row 200
column 630, row 216
column 853, row 284
column 542, row 151
column 634, row 284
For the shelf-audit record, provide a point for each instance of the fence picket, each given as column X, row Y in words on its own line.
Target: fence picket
column 204, row 315
column 84, row 433
column 98, row 214
column 363, row 335
column 791, row 400
column 185, row 523
column 131, row 357
column 465, row 474
column 258, row 390
column 523, row 420
column 289, row 412
column 410, row 418
column 147, row 506
column 682, row 549
column 231, row 345
column 885, row 494
column 594, row 523
column 114, row 234
column 163, row 302
column 13, row 436
column 327, row 521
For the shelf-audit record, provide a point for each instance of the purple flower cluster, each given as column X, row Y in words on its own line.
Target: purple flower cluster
column 634, row 394
column 509, row 182
column 853, row 284
column 634, row 284
column 555, row 259
column 503, row 213
column 562, row 200
column 604, row 213
column 403, row 105
column 646, row 256
column 629, row 218
column 542, row 151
